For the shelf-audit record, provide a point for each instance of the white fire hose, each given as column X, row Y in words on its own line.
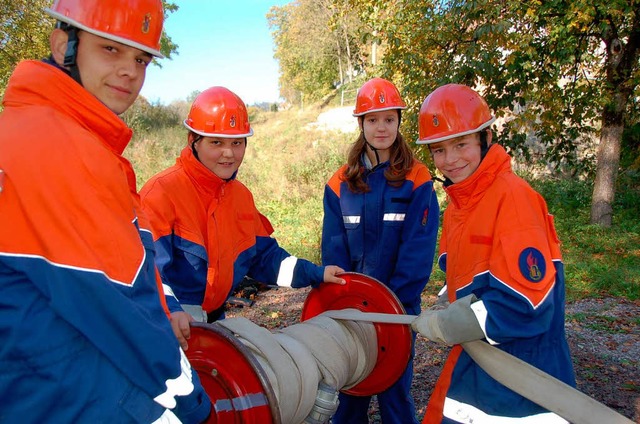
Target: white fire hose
column 309, row 362
column 519, row 376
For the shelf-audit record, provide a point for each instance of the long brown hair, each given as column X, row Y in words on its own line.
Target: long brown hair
column 400, row 161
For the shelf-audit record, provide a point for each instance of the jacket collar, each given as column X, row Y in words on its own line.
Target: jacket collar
column 366, row 163
column 468, row 192
column 39, row 83
column 202, row 176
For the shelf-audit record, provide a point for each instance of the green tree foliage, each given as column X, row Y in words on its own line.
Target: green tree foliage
column 24, row 34
column 143, row 116
column 562, row 74
column 316, row 46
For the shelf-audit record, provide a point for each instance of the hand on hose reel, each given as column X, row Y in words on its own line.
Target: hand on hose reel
column 453, row 325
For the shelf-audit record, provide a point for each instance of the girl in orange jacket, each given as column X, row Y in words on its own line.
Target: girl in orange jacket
column 208, row 232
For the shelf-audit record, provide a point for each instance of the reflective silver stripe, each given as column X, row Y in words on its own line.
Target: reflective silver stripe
column 196, row 311
column 241, row 403
column 353, row 219
column 167, row 417
column 464, row 413
column 168, row 290
column 397, row 217
column 180, row 386
column 480, row 311
column 285, row 273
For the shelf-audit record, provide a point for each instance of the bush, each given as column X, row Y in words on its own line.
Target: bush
column 143, row 116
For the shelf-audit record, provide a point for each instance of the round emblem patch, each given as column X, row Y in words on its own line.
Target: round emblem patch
column 532, row 264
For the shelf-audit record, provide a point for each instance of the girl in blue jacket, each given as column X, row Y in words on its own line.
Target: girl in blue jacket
column 381, row 219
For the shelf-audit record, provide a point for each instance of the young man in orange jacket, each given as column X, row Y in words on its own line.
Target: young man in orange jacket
column 85, row 337
column 504, row 272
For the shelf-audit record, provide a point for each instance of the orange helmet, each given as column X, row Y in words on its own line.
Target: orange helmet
column 218, row 112
column 451, row 111
column 135, row 23
column 376, row 95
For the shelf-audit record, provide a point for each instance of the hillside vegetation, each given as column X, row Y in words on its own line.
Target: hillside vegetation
column 289, row 160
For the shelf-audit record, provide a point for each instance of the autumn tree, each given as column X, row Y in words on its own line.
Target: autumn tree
column 315, row 45
column 563, row 74
column 24, row 34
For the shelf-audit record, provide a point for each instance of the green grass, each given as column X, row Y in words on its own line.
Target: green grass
column 598, row 261
column 288, row 163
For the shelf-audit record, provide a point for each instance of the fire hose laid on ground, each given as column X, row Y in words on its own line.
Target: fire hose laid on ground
column 352, row 338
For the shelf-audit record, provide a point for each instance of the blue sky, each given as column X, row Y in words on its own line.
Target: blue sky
column 220, row 42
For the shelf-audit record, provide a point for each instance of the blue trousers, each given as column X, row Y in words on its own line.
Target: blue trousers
column 396, row 403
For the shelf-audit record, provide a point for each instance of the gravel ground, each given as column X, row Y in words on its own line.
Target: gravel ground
column 603, row 334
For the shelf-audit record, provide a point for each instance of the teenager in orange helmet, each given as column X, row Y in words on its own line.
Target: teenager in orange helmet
column 85, row 337
column 381, row 219
column 504, row 271
column 208, row 232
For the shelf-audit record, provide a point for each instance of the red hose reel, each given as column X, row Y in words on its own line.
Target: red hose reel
column 238, row 386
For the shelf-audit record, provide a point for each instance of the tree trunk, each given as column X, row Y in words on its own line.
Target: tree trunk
column 340, row 71
column 374, row 53
column 348, row 48
column 608, row 159
column 621, row 60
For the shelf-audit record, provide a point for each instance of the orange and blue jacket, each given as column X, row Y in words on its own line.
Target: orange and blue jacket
column 388, row 233
column 84, row 335
column 209, row 235
column 499, row 242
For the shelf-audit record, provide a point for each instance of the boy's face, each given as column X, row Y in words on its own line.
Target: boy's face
column 222, row 156
column 381, row 129
column 111, row 71
column 457, row 158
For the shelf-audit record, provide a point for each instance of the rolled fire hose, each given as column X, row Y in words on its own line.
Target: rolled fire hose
column 309, row 362
column 519, row 376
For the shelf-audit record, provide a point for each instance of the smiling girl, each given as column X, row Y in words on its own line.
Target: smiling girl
column 207, row 230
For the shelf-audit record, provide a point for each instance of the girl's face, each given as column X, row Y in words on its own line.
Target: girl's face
column 222, row 156
column 380, row 130
column 459, row 157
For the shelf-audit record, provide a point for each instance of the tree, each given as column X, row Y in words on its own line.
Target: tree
column 301, row 48
column 561, row 73
column 315, row 45
column 24, row 34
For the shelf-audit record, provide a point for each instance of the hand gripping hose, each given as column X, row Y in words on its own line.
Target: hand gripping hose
column 519, row 376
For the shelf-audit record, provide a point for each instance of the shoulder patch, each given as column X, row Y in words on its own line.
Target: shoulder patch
column 337, row 179
column 532, row 264
column 419, row 174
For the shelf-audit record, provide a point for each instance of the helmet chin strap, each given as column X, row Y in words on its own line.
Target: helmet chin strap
column 375, row 151
column 196, row 138
column 484, row 144
column 71, row 54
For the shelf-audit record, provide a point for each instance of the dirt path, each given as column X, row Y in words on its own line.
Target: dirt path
column 337, row 119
